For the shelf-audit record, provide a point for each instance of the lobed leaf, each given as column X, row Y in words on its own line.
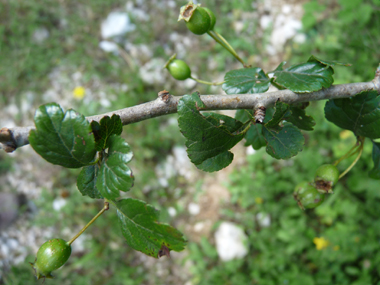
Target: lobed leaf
column 299, row 118
column 104, row 129
column 246, row 81
column 360, row 114
column 255, row 137
column 114, row 174
column 305, row 77
column 283, row 142
column 207, row 135
column 142, row 230
column 86, row 181
column 327, row 62
column 62, row 138
column 282, row 110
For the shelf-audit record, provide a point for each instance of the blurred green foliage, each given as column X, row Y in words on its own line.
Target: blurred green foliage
column 284, row 252
column 341, row 30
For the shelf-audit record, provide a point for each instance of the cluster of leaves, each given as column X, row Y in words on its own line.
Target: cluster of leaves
column 69, row 140
column 210, row 136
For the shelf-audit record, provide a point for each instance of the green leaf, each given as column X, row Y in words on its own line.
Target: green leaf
column 255, row 137
column 375, row 172
column 207, row 136
column 142, row 230
column 114, row 174
column 86, row 182
column 63, row 139
column 103, row 130
column 299, row 118
column 305, row 77
column 281, row 110
column 360, row 114
column 246, row 81
column 283, row 142
column 216, row 163
column 327, row 62
column 244, row 115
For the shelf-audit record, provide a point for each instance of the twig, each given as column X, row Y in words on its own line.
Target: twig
column 13, row 138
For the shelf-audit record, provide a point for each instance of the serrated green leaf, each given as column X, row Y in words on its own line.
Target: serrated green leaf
column 254, row 137
column 281, row 110
column 103, row 130
column 86, row 181
column 217, row 162
column 207, row 136
column 114, row 174
column 299, row 118
column 246, row 81
column 305, row 77
column 280, row 67
column 142, row 230
column 283, row 142
column 360, row 114
column 327, row 62
column 244, row 115
column 375, row 172
column 62, row 138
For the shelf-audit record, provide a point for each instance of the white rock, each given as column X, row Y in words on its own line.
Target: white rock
column 59, row 203
column 40, row 35
column 250, row 150
column 108, row 46
column 194, row 209
column 230, row 241
column 151, row 72
column 263, row 219
column 116, row 24
column 199, row 226
column 172, row 212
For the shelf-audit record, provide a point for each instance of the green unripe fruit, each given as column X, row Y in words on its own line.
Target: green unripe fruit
column 326, row 176
column 52, row 255
column 198, row 20
column 179, row 69
column 307, row 196
column 212, row 18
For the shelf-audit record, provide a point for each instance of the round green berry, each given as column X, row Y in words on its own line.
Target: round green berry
column 179, row 69
column 212, row 18
column 307, row 196
column 197, row 19
column 52, row 255
column 326, row 176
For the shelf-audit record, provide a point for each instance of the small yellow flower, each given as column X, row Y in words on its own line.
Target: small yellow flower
column 259, row 200
column 79, row 92
column 320, row 243
column 336, row 248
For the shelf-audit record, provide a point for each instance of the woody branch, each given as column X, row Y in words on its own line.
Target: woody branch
column 12, row 138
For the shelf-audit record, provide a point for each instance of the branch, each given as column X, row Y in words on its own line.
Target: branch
column 12, row 138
